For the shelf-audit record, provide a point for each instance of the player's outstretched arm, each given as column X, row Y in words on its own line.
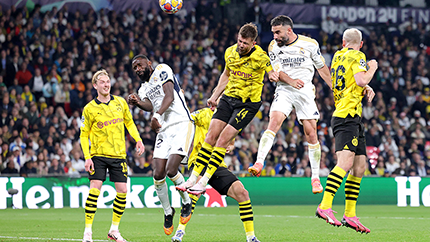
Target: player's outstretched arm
column 144, row 104
column 324, row 73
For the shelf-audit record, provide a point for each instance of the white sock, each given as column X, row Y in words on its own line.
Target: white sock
column 113, row 227
column 163, row 195
column 193, row 178
column 88, row 230
column 178, row 179
column 204, row 180
column 314, row 159
column 266, row 143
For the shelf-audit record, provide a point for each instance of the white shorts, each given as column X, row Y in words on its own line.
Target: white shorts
column 175, row 139
column 303, row 100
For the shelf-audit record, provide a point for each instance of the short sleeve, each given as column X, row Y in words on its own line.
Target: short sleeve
column 359, row 64
column 164, row 73
column 265, row 62
column 317, row 58
column 195, row 116
column 142, row 92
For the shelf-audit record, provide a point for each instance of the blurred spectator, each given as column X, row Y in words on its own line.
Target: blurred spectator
column 63, row 49
column 27, row 169
column 143, row 167
column 55, row 168
column 10, row 169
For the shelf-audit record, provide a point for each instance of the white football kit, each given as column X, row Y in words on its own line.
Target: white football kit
column 177, row 128
column 297, row 60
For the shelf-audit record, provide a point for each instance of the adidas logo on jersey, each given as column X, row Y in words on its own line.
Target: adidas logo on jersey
column 180, row 149
column 316, row 113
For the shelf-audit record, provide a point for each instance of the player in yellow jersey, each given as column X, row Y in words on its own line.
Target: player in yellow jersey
column 242, row 84
column 103, row 121
column 349, row 74
column 223, row 181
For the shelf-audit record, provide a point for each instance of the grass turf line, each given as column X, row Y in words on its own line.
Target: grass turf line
column 272, row 223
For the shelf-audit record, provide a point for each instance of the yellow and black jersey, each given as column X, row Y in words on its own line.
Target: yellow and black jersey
column 202, row 118
column 246, row 73
column 347, row 94
column 104, row 123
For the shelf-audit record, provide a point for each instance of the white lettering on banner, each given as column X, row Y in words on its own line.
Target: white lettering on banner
column 3, row 192
column 176, row 197
column 32, row 200
column 133, row 195
column 17, row 184
column 58, row 197
column 413, row 191
column 426, row 196
column 111, row 194
column 151, row 198
column 75, row 193
column 375, row 15
column 423, row 16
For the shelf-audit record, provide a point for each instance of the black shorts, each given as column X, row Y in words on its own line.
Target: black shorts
column 221, row 180
column 349, row 134
column 117, row 169
column 235, row 112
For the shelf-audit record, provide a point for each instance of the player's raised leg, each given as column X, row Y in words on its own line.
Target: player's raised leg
column 314, row 148
column 266, row 141
column 178, row 179
column 180, row 231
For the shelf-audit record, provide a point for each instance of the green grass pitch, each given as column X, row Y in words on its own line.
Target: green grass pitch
column 272, row 223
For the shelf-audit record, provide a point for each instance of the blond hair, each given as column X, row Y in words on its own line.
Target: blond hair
column 352, row 36
column 97, row 75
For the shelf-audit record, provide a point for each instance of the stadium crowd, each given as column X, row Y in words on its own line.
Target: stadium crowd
column 48, row 59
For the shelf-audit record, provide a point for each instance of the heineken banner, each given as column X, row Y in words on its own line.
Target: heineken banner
column 59, row 192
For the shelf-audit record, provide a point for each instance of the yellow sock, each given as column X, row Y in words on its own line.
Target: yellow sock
column 194, row 200
column 203, row 158
column 118, row 209
column 247, row 217
column 91, row 207
column 216, row 159
column 352, row 189
column 334, row 180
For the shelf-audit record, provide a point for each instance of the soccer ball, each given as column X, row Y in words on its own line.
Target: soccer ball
column 170, row 6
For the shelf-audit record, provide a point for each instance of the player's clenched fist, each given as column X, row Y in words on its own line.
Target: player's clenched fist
column 373, row 64
column 133, row 99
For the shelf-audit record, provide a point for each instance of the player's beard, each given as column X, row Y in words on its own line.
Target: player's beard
column 242, row 51
column 144, row 75
column 282, row 41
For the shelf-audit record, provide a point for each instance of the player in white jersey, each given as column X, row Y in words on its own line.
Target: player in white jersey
column 160, row 92
column 294, row 58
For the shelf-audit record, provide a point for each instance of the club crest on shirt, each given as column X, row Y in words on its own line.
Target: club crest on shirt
column 302, row 51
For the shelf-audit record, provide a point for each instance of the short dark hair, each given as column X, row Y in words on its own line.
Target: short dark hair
column 249, row 30
column 139, row 56
column 281, row 20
